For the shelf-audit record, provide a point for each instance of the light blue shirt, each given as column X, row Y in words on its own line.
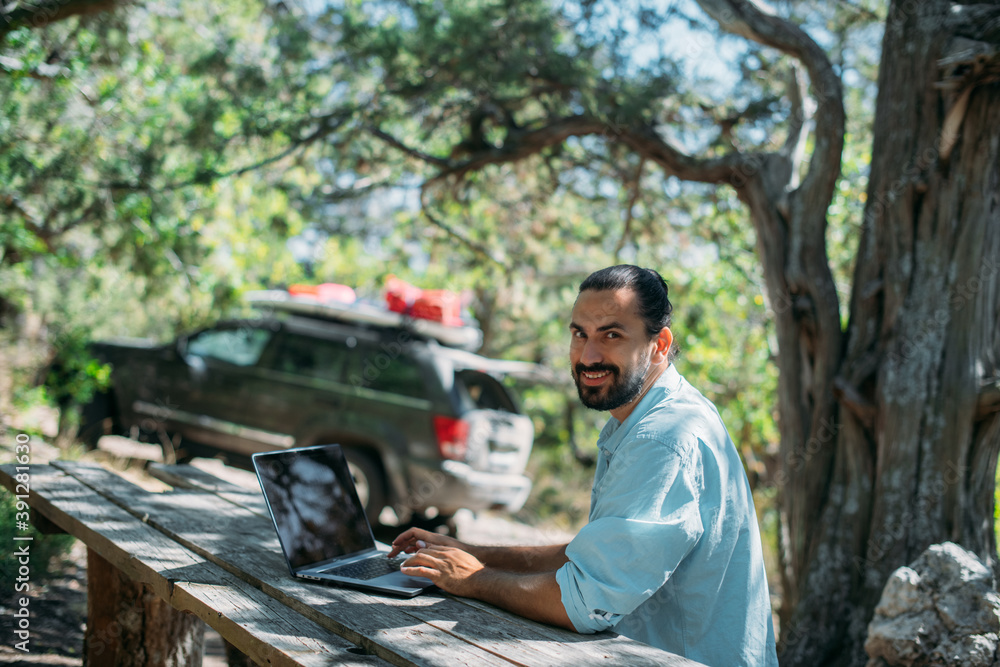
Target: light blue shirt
column 671, row 555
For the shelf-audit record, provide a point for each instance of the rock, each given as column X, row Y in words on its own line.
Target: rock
column 942, row 610
column 902, row 640
column 902, row 594
column 966, row 650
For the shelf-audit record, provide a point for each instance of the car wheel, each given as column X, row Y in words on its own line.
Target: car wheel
column 368, row 481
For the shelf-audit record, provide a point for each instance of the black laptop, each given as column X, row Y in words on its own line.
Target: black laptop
column 324, row 533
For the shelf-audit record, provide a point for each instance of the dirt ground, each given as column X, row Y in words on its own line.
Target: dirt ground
column 58, row 617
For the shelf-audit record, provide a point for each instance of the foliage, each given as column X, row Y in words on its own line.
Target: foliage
column 46, row 550
column 74, row 375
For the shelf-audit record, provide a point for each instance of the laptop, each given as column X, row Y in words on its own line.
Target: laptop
column 324, row 533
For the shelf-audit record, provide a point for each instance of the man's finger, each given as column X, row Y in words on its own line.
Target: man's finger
column 402, row 541
column 419, row 571
column 437, row 548
column 409, row 541
column 421, row 558
column 411, row 534
column 409, row 548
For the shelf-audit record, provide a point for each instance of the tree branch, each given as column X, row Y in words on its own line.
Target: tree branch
column 525, row 143
column 476, row 247
column 326, row 127
column 743, row 18
column 43, row 12
column 633, row 198
column 412, row 152
column 732, row 168
column 643, row 139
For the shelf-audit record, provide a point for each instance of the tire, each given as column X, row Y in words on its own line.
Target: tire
column 368, row 480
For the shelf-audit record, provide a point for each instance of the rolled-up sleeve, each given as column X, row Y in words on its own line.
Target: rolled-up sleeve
column 645, row 520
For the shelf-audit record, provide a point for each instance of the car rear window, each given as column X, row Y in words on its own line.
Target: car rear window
column 484, row 391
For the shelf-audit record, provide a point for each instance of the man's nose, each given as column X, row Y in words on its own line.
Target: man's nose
column 591, row 353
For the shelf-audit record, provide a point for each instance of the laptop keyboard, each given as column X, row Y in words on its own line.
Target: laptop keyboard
column 368, row 568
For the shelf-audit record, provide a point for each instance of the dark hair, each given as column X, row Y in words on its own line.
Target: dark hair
column 649, row 286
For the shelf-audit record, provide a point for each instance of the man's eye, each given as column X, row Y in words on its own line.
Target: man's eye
column 612, row 334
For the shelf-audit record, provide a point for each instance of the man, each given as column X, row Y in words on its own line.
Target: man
column 671, row 555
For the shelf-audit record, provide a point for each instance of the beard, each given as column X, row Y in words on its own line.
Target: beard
column 626, row 385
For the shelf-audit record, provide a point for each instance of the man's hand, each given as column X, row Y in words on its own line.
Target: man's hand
column 452, row 569
column 520, row 579
column 415, row 539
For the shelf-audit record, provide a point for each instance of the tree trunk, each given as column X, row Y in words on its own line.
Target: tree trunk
column 916, row 431
column 127, row 624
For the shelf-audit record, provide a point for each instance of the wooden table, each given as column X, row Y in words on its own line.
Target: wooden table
column 207, row 548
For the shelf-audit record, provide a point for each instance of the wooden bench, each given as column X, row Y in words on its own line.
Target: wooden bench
column 207, row 550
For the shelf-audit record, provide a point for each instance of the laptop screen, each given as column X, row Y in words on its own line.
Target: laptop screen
column 315, row 507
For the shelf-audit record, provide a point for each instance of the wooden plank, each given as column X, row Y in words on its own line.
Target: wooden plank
column 189, row 477
column 183, row 578
column 535, row 643
column 238, row 546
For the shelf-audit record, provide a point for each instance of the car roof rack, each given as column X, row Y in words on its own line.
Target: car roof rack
column 469, row 338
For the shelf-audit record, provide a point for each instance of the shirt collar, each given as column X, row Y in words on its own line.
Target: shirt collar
column 614, row 432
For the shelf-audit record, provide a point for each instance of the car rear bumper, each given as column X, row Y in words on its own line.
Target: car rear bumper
column 458, row 485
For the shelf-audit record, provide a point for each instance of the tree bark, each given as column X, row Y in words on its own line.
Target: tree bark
column 127, row 624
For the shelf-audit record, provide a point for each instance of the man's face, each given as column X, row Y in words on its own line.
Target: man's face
column 610, row 349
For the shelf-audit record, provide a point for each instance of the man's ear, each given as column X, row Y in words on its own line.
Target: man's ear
column 663, row 341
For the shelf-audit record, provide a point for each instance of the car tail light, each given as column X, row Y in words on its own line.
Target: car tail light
column 452, row 437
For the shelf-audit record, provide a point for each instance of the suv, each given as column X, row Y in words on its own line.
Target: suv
column 427, row 429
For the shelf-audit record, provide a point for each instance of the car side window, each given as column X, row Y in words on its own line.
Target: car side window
column 386, row 369
column 240, row 347
column 311, row 357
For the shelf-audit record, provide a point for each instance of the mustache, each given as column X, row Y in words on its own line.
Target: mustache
column 595, row 368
